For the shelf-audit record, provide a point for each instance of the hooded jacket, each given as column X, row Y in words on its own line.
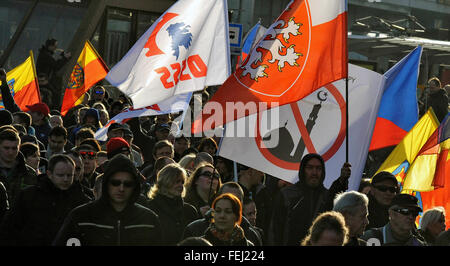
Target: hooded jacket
column 38, row 213
column 99, row 224
column 296, row 206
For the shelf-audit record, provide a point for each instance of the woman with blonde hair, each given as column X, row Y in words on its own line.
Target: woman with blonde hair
column 187, row 162
column 225, row 229
column 432, row 224
column 328, row 229
column 166, row 200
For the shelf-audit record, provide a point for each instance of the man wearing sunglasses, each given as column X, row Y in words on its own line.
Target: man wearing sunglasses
column 384, row 187
column 88, row 154
column 401, row 228
column 98, row 94
column 115, row 218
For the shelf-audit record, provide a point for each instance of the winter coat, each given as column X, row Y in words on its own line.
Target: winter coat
column 296, row 207
column 195, row 200
column 236, row 238
column 99, row 224
column 38, row 213
column 4, row 203
column 386, row 238
column 174, row 215
column 198, row 228
column 438, row 100
column 378, row 213
column 18, row 177
column 47, row 64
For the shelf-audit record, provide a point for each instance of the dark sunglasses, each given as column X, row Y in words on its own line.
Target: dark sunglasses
column 407, row 212
column 210, row 175
column 386, row 188
column 88, row 154
column 116, row 183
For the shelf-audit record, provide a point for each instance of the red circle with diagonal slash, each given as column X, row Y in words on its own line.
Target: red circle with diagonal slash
column 305, row 135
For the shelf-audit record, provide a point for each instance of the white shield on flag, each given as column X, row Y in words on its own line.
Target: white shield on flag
column 186, row 49
column 315, row 124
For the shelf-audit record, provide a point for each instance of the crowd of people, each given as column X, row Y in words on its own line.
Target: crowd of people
column 145, row 186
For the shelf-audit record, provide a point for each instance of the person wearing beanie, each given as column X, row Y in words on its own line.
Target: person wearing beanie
column 384, row 187
column 115, row 219
column 116, row 146
column 296, row 206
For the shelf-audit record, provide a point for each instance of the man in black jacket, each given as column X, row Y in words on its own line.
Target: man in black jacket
column 384, row 187
column 14, row 172
column 115, row 218
column 39, row 210
column 296, row 206
column 46, row 63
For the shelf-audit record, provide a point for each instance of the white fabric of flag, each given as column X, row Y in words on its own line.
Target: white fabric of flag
column 175, row 104
column 315, row 124
column 185, row 50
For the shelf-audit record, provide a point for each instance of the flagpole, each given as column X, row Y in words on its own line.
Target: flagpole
column 346, row 86
column 35, row 75
column 346, row 119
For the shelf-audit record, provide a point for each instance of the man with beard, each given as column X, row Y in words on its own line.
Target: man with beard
column 296, row 206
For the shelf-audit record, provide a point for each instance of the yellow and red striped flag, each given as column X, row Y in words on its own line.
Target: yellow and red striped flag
column 89, row 69
column 23, row 84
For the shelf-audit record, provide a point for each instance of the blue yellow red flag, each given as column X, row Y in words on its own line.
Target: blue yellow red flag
column 407, row 150
column 23, row 84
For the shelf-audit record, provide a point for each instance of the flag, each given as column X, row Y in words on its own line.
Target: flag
column 186, row 49
column 305, row 49
column 177, row 103
column 393, row 123
column 430, row 167
column 315, row 124
column 250, row 40
column 400, row 159
column 23, row 84
column 88, row 70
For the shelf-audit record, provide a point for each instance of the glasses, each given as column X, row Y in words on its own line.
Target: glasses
column 210, row 175
column 88, row 154
column 116, row 183
column 386, row 188
column 407, row 212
